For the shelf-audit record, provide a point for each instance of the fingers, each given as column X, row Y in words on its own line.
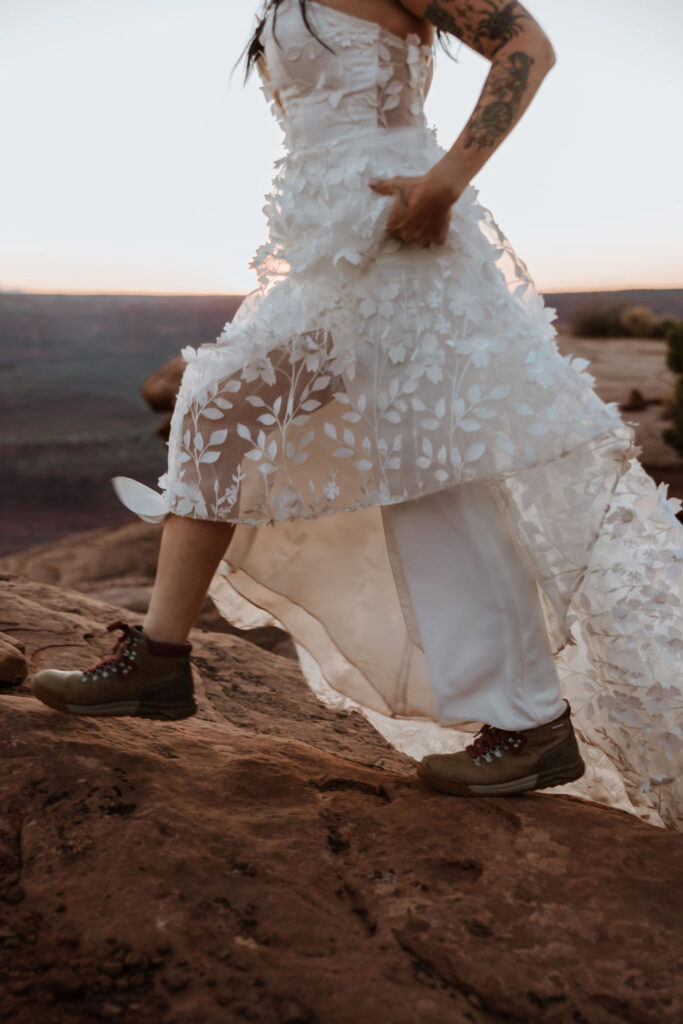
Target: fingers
column 383, row 187
column 424, row 241
column 408, row 233
column 413, row 232
column 408, row 223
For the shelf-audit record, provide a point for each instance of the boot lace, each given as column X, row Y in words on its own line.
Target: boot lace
column 122, row 660
column 491, row 742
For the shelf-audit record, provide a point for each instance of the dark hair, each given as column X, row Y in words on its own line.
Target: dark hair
column 254, row 48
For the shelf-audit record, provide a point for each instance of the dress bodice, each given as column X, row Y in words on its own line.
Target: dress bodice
column 373, row 79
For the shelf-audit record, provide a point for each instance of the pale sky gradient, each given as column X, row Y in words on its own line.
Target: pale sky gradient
column 131, row 163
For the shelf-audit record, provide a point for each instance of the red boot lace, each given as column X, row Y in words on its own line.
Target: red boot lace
column 122, row 659
column 491, row 740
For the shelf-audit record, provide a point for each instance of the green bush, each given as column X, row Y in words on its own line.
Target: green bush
column 674, row 347
column 673, row 435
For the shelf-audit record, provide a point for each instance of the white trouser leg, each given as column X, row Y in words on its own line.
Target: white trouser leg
column 477, row 609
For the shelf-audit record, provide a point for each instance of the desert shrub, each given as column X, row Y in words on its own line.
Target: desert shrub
column 638, row 322
column 596, row 320
column 673, row 435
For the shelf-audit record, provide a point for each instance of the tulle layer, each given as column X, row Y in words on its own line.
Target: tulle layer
column 334, row 584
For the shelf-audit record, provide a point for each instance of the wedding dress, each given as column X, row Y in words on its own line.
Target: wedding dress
column 363, row 373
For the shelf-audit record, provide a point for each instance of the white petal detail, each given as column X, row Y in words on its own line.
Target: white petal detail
column 364, row 372
column 147, row 504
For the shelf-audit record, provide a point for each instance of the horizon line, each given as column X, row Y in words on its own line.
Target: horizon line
column 229, row 294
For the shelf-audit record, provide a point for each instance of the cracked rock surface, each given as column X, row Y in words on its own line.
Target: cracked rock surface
column 275, row 861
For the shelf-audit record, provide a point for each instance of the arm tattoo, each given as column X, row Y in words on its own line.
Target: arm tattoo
column 507, row 84
column 485, row 33
column 443, row 19
column 501, row 24
column 403, row 195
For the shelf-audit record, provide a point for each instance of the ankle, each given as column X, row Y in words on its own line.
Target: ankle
column 162, row 629
column 166, row 645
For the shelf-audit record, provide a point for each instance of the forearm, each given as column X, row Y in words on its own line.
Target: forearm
column 521, row 55
column 517, row 71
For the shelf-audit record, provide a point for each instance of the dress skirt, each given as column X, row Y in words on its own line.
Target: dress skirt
column 364, row 377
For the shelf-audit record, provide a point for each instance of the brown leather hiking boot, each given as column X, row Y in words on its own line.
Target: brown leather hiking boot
column 500, row 762
column 143, row 678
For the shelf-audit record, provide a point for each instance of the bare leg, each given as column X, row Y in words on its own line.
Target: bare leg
column 191, row 550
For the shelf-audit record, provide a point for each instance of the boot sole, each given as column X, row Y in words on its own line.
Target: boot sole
column 121, row 709
column 542, row 780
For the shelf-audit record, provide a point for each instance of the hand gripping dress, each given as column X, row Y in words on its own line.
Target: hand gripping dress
column 364, row 389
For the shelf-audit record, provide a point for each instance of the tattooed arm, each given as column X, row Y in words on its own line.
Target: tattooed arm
column 521, row 55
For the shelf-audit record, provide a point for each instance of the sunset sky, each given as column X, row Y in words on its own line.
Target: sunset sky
column 132, row 163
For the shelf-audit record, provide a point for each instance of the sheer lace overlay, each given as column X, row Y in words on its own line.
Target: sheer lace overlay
column 363, row 371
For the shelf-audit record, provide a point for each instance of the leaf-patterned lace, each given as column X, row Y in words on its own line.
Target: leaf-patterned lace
column 362, row 372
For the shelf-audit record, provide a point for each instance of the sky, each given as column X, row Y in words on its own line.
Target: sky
column 132, row 162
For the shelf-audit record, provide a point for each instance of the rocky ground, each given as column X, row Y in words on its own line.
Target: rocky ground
column 116, row 565
column 273, row 860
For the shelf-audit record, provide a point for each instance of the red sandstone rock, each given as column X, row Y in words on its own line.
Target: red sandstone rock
column 13, row 642
column 13, row 666
column 93, row 558
column 635, row 402
column 160, row 390
column 272, row 860
column 117, row 565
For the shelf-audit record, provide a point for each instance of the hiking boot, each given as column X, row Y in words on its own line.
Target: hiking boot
column 499, row 761
column 143, row 678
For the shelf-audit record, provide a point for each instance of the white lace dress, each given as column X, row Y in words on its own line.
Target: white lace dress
column 363, row 371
